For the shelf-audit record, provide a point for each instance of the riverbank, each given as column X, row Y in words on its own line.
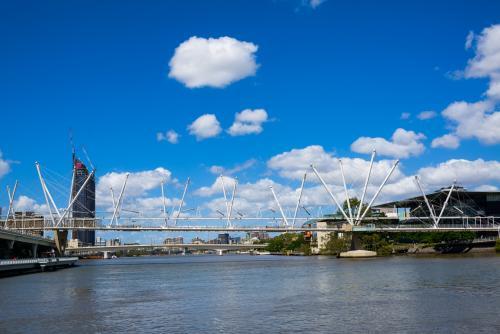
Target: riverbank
column 26, row 266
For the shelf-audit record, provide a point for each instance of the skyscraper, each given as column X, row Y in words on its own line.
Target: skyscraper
column 84, row 205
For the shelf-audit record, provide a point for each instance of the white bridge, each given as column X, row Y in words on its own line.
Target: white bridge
column 349, row 219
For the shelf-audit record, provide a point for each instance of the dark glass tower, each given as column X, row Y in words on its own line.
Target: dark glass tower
column 84, row 206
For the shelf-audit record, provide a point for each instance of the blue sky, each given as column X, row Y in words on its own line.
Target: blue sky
column 326, row 74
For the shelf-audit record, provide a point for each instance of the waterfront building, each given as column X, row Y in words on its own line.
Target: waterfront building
column 84, row 205
column 461, row 204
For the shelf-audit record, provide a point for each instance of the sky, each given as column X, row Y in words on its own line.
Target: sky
column 258, row 90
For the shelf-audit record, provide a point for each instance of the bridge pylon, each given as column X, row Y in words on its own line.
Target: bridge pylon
column 61, row 239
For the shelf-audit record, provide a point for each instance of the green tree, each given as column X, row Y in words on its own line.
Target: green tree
column 336, row 245
column 355, row 203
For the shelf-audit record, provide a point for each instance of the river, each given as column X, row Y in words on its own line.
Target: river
column 258, row 294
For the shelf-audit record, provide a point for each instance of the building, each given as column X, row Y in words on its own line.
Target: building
column 99, row 241
column 223, row 238
column 113, row 242
column 258, row 235
column 84, row 205
column 175, row 240
column 26, row 219
column 234, row 240
column 198, row 241
column 462, row 204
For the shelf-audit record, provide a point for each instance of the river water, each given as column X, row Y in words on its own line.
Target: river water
column 258, row 294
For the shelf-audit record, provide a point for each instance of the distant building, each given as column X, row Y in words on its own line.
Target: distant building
column 114, row 242
column 84, row 205
column 223, row 238
column 176, row 240
column 258, row 235
column 99, row 241
column 234, row 240
column 197, row 241
column 74, row 243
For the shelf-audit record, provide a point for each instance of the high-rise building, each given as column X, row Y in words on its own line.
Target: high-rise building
column 84, row 205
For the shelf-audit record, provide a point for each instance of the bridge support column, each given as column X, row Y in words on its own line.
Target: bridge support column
column 356, row 242
column 61, row 238
column 34, row 250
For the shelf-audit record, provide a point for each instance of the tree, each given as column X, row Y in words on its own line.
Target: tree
column 355, row 203
column 336, row 245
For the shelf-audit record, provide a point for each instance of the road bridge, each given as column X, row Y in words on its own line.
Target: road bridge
column 233, row 247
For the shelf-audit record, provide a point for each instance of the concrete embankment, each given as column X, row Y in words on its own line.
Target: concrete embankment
column 23, row 266
column 357, row 254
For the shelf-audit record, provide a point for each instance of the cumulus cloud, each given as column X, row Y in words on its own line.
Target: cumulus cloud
column 25, row 203
column 171, row 136
column 138, row 183
column 294, row 163
column 141, row 194
column 467, row 172
column 4, row 166
column 403, row 144
column 248, row 122
column 446, row 141
column 213, row 62
column 479, row 120
column 487, row 59
column 486, row 62
column 425, row 115
column 205, row 126
column 474, row 120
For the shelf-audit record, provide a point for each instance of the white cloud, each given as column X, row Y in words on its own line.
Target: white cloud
column 248, row 122
column 138, row 183
column 213, row 62
column 446, row 141
column 474, row 120
column 205, row 126
column 467, row 172
column 25, row 203
column 469, row 39
column 294, row 163
column 493, row 91
column 171, row 136
column 486, row 62
column 486, row 187
column 405, row 115
column 141, row 194
column 479, row 120
column 4, row 166
column 236, row 169
column 403, row 144
column 487, row 59
column 425, row 115
column 316, row 3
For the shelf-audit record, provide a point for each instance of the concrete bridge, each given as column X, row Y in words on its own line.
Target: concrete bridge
column 15, row 243
column 233, row 247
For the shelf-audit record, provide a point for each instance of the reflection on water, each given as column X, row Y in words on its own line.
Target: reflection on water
column 260, row 294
